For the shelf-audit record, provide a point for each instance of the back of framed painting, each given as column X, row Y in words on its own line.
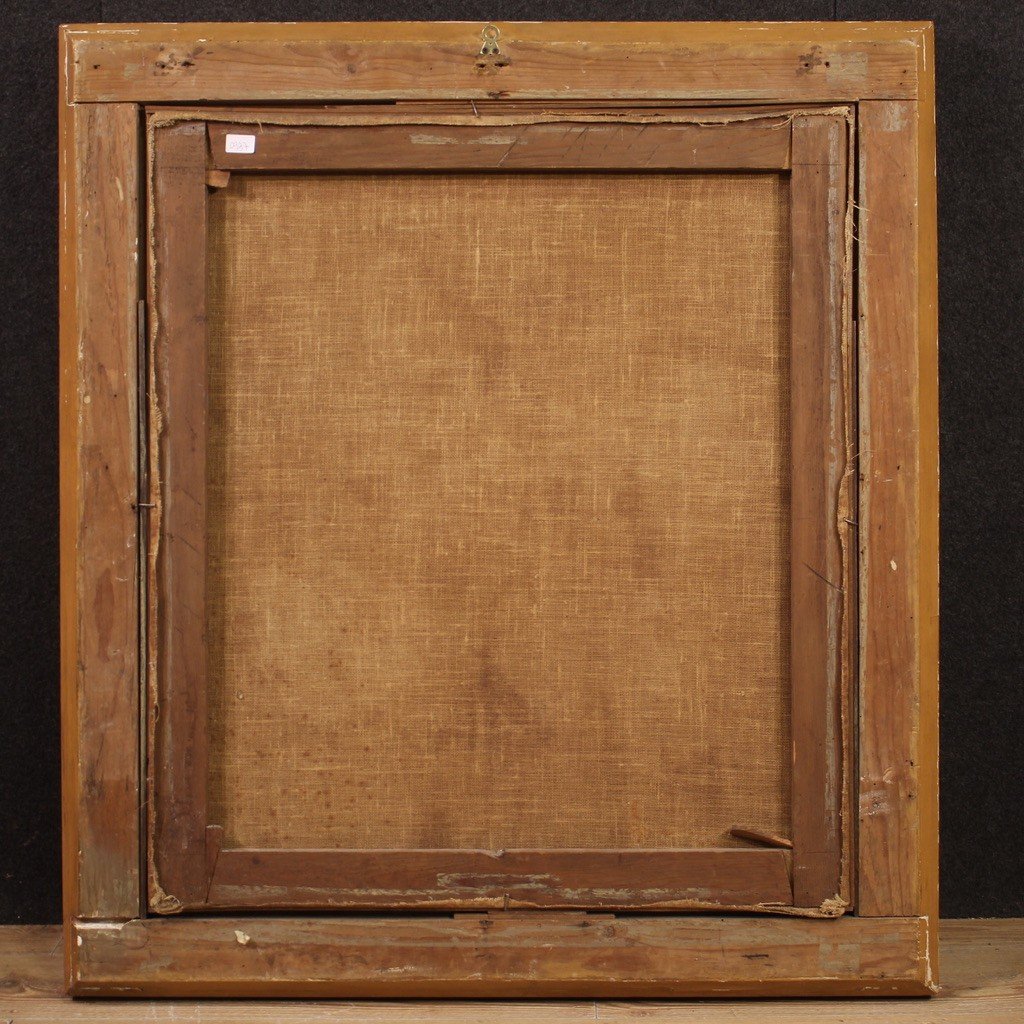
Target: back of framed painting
column 498, row 565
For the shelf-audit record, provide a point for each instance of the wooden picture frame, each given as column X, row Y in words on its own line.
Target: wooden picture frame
column 208, row 877
column 852, row 908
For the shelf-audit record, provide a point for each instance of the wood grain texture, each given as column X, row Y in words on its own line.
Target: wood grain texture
column 461, row 879
column 754, row 145
column 99, row 532
column 534, row 953
column 479, row 112
column 818, row 463
column 928, row 524
column 178, row 874
column 898, row 520
column 983, row 982
column 708, row 61
column 31, row 963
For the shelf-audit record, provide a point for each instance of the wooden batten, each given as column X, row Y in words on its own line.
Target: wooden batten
column 748, row 145
column 178, row 446
column 511, row 879
column 818, row 464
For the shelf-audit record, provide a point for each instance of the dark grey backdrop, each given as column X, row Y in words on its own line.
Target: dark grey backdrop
column 981, row 125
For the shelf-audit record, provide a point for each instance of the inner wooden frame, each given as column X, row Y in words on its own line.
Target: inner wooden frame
column 888, row 946
column 189, row 869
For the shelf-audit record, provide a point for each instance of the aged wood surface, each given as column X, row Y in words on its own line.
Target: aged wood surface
column 983, row 982
column 707, row 61
column 31, row 962
column 898, row 519
column 527, row 954
column 928, row 521
column 99, row 271
column 178, row 873
column 405, row 879
column 818, row 461
column 751, row 145
column 479, row 112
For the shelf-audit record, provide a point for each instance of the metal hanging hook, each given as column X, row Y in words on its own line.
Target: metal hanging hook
column 490, row 35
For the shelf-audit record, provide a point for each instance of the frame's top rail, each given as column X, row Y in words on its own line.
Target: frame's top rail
column 717, row 61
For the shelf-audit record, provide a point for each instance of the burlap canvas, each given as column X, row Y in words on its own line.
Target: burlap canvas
column 498, row 510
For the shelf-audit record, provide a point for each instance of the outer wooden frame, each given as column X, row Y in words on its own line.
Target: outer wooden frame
column 886, row 70
column 189, row 870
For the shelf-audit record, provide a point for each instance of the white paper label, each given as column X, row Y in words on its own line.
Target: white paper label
column 239, row 143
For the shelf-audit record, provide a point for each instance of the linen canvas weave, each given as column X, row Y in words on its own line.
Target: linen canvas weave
column 498, row 510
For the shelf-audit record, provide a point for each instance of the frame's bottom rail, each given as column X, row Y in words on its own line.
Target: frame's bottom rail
column 532, row 954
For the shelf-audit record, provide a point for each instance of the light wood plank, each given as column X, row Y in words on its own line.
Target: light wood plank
column 898, row 522
column 99, row 267
column 928, row 524
column 395, row 60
